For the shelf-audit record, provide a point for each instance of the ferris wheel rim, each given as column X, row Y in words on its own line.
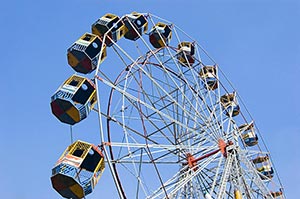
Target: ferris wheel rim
column 108, row 113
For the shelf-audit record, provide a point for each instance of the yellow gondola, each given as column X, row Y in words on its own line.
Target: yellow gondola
column 84, row 54
column 112, row 26
column 160, row 35
column 277, row 193
column 74, row 100
column 78, row 170
column 185, row 54
column 136, row 24
column 209, row 75
column 249, row 136
column 230, row 105
column 263, row 166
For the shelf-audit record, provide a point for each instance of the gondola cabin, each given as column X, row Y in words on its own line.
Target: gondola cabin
column 112, row 26
column 185, row 55
column 209, row 76
column 78, row 170
column 74, row 100
column 277, row 194
column 263, row 165
column 160, row 35
column 84, row 54
column 230, row 105
column 136, row 25
column 248, row 134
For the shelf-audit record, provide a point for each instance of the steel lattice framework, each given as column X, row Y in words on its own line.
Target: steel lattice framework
column 171, row 124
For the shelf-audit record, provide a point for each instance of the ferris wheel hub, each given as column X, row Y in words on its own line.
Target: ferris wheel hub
column 223, row 148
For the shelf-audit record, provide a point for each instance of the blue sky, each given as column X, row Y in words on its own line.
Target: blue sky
column 256, row 43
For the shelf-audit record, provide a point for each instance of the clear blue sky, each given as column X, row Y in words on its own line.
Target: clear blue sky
column 256, row 43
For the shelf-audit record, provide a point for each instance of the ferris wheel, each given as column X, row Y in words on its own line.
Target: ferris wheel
column 171, row 124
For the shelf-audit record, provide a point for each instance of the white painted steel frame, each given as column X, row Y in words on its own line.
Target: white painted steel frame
column 163, row 111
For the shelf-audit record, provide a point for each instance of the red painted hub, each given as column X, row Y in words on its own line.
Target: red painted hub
column 192, row 161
